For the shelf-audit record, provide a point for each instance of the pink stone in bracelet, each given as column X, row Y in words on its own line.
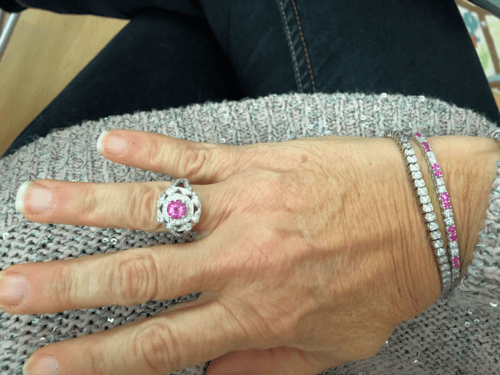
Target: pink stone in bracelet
column 444, row 198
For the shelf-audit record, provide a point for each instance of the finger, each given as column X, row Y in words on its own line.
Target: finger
column 154, row 346
column 124, row 278
column 200, row 163
column 112, row 205
column 275, row 361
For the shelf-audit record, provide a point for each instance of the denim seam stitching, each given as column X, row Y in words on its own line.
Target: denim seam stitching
column 290, row 45
column 305, row 46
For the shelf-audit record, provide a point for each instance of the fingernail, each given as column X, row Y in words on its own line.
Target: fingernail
column 44, row 366
column 39, row 198
column 20, row 196
column 13, row 288
column 112, row 144
column 99, row 141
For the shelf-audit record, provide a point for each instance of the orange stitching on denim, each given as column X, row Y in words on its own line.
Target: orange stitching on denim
column 305, row 46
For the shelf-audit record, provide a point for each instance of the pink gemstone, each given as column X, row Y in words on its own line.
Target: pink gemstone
column 176, row 209
column 456, row 262
column 437, row 172
column 418, row 134
column 446, row 205
column 452, row 229
column 453, row 237
column 445, row 197
column 426, row 145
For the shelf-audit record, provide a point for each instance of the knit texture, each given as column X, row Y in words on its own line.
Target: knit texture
column 456, row 336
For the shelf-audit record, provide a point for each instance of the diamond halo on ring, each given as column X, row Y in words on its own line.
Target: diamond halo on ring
column 179, row 208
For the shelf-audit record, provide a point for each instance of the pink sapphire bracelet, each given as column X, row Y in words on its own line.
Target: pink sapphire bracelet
column 426, row 207
column 444, row 198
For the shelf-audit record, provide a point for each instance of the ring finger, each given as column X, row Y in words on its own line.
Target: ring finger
column 110, row 205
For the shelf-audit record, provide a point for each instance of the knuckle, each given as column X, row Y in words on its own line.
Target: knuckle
column 89, row 205
column 158, row 345
column 95, row 357
column 192, row 160
column 63, row 288
column 136, row 279
column 156, row 154
column 143, row 208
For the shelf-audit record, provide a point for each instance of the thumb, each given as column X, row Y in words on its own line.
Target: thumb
column 274, row 361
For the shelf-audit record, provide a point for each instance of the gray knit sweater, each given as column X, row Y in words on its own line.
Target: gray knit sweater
column 456, row 336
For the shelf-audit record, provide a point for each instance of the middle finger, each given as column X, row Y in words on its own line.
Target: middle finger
column 123, row 278
column 109, row 205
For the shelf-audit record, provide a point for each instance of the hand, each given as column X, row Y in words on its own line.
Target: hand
column 315, row 252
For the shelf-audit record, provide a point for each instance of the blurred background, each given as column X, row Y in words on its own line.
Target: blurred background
column 47, row 50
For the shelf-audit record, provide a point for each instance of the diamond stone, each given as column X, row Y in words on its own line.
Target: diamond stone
column 419, row 183
column 411, row 159
column 416, row 175
column 427, row 208
column 441, row 189
column 422, row 191
column 449, row 221
column 431, row 216
column 432, row 226
column 424, row 199
column 446, row 274
column 414, row 167
column 409, row 152
column 444, row 267
column 435, row 235
column 437, row 244
column 447, row 213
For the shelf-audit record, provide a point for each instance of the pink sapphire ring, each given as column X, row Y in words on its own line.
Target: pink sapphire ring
column 179, row 208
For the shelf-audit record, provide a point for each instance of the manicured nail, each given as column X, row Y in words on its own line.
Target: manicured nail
column 39, row 199
column 99, row 141
column 13, row 288
column 44, row 366
column 112, row 144
column 20, row 196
